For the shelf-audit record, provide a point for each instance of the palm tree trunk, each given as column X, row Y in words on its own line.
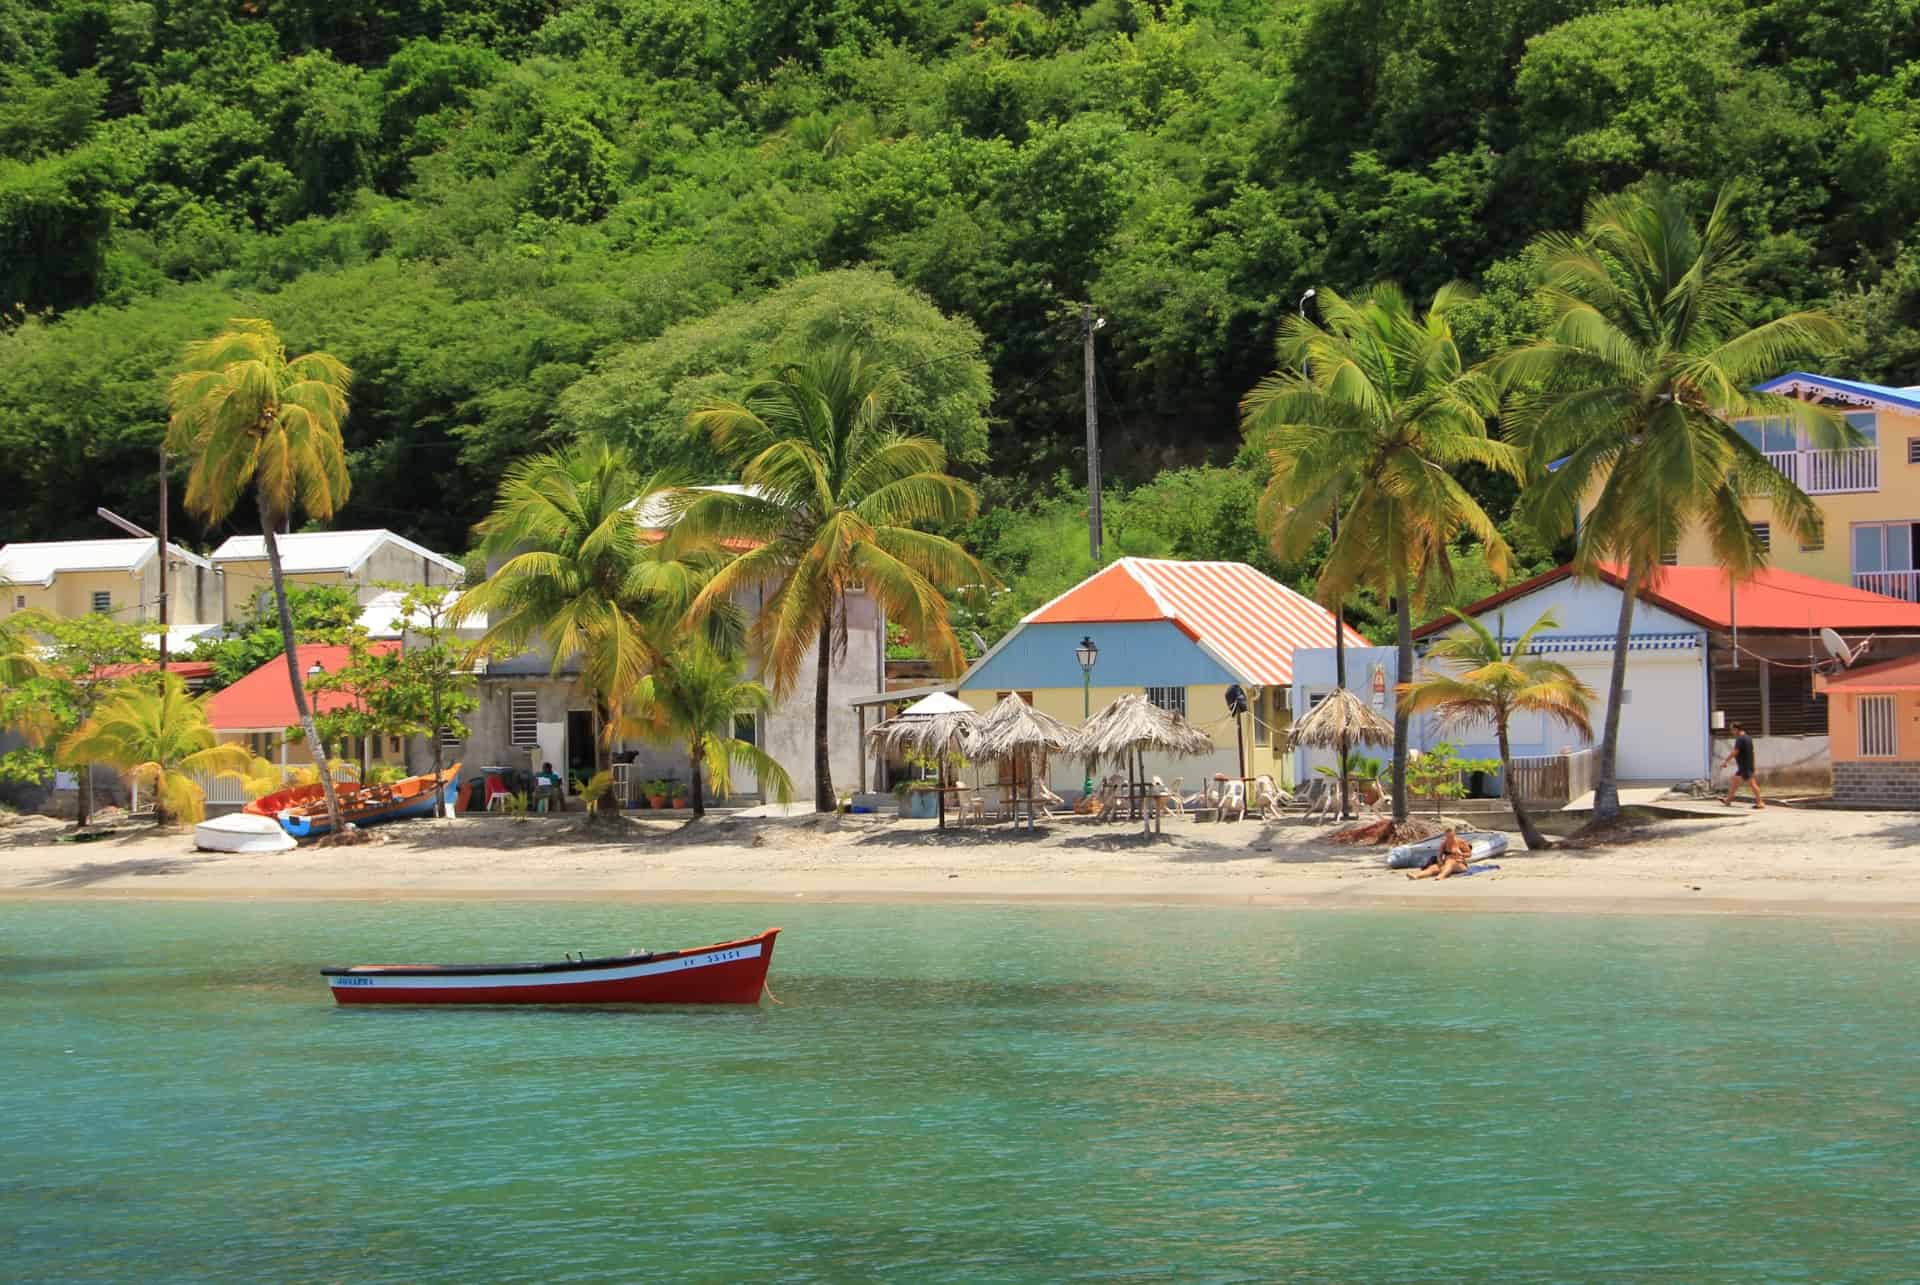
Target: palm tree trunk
column 1536, row 842
column 83, row 796
column 1403, row 627
column 602, row 757
column 1606, row 790
column 824, row 799
column 268, row 523
column 697, row 793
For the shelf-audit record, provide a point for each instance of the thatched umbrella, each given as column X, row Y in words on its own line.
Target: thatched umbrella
column 1127, row 729
column 1339, row 723
column 1017, row 734
column 937, row 727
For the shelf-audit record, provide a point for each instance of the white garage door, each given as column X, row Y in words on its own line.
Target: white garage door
column 1663, row 728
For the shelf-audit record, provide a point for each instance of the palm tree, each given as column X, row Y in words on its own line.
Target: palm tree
column 158, row 735
column 694, row 697
column 248, row 416
column 1631, row 395
column 1364, row 421
column 579, row 579
column 19, row 655
column 1495, row 683
column 834, row 499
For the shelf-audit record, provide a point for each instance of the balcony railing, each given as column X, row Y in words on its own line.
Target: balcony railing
column 1904, row 585
column 1854, row 468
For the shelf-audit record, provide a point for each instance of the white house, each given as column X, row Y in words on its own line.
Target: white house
column 361, row 560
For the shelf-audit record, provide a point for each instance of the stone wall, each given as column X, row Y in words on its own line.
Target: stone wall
column 1880, row 783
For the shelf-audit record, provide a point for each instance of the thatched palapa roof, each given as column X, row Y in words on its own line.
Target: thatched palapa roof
column 1015, row 727
column 935, row 727
column 1342, row 720
column 1133, row 723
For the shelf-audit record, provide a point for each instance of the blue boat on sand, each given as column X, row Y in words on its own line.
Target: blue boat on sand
column 302, row 811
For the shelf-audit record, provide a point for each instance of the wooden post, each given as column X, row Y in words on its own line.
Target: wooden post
column 1766, row 703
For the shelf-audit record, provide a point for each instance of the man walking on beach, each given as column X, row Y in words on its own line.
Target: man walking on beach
column 1741, row 756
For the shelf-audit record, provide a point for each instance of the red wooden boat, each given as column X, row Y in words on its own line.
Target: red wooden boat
column 301, row 810
column 730, row 972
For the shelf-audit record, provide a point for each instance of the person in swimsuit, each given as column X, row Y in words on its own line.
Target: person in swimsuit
column 1741, row 756
column 1451, row 860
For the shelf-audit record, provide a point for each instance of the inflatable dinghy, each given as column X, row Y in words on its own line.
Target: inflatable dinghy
column 1487, row 844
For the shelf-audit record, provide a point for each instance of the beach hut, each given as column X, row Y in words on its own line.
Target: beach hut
column 1340, row 722
column 937, row 727
column 1129, row 729
column 1020, row 738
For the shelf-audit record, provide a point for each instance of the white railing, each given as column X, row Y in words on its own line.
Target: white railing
column 1551, row 778
column 1852, row 468
column 221, row 791
column 1904, row 585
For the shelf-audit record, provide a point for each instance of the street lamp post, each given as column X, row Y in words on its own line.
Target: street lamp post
column 1087, row 654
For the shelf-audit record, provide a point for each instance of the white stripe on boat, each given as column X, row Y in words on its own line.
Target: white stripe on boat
column 476, row 981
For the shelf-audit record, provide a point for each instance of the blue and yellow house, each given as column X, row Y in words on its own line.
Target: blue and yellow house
column 1182, row 633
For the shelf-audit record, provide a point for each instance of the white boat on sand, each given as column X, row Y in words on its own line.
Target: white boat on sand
column 1486, row 844
column 241, row 832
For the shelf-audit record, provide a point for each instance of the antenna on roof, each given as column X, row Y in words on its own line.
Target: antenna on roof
column 1837, row 647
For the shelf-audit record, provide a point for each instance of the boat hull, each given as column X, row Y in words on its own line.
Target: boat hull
column 240, row 832
column 733, row 972
column 1486, row 844
column 303, row 826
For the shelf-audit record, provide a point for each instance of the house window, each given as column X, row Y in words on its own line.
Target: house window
column 393, row 745
column 523, row 715
column 1815, row 542
column 19, row 602
column 102, row 601
column 1670, row 558
column 1773, row 436
column 450, row 740
column 1173, row 699
column 1913, row 450
column 1877, row 738
column 1263, row 717
column 1867, row 424
column 1763, row 532
column 1025, row 696
column 746, row 728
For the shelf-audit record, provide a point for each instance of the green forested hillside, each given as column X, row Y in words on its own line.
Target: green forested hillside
column 519, row 218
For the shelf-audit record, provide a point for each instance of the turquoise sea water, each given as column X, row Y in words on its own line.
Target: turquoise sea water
column 966, row 1094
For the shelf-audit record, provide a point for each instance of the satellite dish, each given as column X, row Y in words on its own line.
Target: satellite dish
column 1837, row 647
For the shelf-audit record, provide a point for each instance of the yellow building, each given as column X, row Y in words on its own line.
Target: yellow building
column 362, row 560
column 118, row 578
column 1184, row 634
column 1869, row 495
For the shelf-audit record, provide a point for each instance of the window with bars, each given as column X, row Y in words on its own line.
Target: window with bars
column 1877, row 733
column 1169, row 698
column 1763, row 532
column 450, row 739
column 102, row 601
column 1815, row 542
column 1913, row 450
column 523, row 719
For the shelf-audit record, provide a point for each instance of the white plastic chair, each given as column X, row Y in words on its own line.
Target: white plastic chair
column 1233, row 798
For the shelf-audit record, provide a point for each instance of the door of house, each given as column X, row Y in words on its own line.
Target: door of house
column 580, row 756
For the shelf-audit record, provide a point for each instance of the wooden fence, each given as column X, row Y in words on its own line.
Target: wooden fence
column 1551, row 778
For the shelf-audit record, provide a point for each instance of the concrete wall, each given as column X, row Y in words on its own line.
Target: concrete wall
column 1778, row 760
column 71, row 595
column 489, row 740
column 244, row 581
column 788, row 728
column 1877, row 783
column 1843, row 726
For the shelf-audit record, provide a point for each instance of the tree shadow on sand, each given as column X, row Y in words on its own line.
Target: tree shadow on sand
column 88, row 873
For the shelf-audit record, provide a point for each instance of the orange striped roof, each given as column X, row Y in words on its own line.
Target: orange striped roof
column 1250, row 622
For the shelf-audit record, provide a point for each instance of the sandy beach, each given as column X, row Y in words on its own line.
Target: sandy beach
column 1781, row 861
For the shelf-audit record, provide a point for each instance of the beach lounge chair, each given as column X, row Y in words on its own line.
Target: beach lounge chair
column 1269, row 799
column 1045, row 800
column 1323, row 799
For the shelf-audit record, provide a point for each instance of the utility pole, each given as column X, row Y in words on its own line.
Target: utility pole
column 163, row 560
column 1088, row 324
column 1339, row 608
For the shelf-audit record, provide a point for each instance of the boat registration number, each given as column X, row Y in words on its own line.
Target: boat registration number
column 717, row 957
column 353, row 981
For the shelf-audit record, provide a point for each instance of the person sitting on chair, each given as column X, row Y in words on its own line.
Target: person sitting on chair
column 1452, row 859
column 548, row 782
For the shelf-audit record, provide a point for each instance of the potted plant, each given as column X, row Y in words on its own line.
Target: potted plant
column 1363, row 773
column 679, row 793
column 657, row 792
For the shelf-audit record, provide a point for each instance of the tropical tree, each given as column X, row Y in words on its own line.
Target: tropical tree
column 249, row 417
column 834, row 498
column 159, row 737
column 577, row 576
column 1371, row 410
column 1632, row 394
column 19, row 654
column 695, row 697
column 79, row 662
column 1490, row 684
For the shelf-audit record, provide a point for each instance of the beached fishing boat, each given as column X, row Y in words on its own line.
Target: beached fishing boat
column 1486, row 845
column 302, row 809
column 730, row 972
column 240, row 832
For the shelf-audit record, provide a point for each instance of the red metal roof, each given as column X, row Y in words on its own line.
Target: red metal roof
column 263, row 700
column 1251, row 622
column 1886, row 676
column 1773, row 599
